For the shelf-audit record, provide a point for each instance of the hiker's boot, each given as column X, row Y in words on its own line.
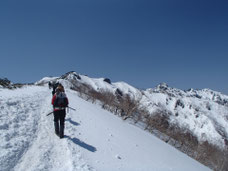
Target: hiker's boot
column 56, row 124
column 61, row 133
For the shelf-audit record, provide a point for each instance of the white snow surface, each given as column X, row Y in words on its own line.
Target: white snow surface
column 204, row 113
column 201, row 112
column 95, row 139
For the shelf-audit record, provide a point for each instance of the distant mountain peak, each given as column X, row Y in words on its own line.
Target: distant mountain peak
column 71, row 75
column 4, row 82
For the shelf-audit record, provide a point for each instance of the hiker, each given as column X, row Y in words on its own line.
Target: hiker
column 49, row 84
column 59, row 102
column 54, row 86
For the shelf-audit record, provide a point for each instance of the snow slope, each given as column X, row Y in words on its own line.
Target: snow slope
column 94, row 138
column 203, row 113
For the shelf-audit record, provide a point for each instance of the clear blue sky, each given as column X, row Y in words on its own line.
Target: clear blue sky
column 141, row 42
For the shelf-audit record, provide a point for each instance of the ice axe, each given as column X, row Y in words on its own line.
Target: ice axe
column 49, row 113
column 71, row 108
column 67, row 107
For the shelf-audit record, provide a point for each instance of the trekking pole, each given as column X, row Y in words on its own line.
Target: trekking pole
column 71, row 108
column 49, row 113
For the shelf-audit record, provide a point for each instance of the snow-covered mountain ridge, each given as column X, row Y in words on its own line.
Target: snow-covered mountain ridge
column 95, row 139
column 202, row 112
column 198, row 117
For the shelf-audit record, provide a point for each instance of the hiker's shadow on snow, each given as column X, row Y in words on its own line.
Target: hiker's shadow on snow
column 82, row 144
column 72, row 122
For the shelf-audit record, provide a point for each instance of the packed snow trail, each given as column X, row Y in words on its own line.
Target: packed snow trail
column 95, row 139
column 19, row 118
column 27, row 133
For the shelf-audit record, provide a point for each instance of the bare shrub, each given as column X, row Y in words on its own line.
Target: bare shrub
column 82, row 89
column 212, row 156
column 128, row 106
column 141, row 114
column 158, row 120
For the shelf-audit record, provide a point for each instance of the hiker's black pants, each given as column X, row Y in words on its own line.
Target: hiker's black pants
column 59, row 116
